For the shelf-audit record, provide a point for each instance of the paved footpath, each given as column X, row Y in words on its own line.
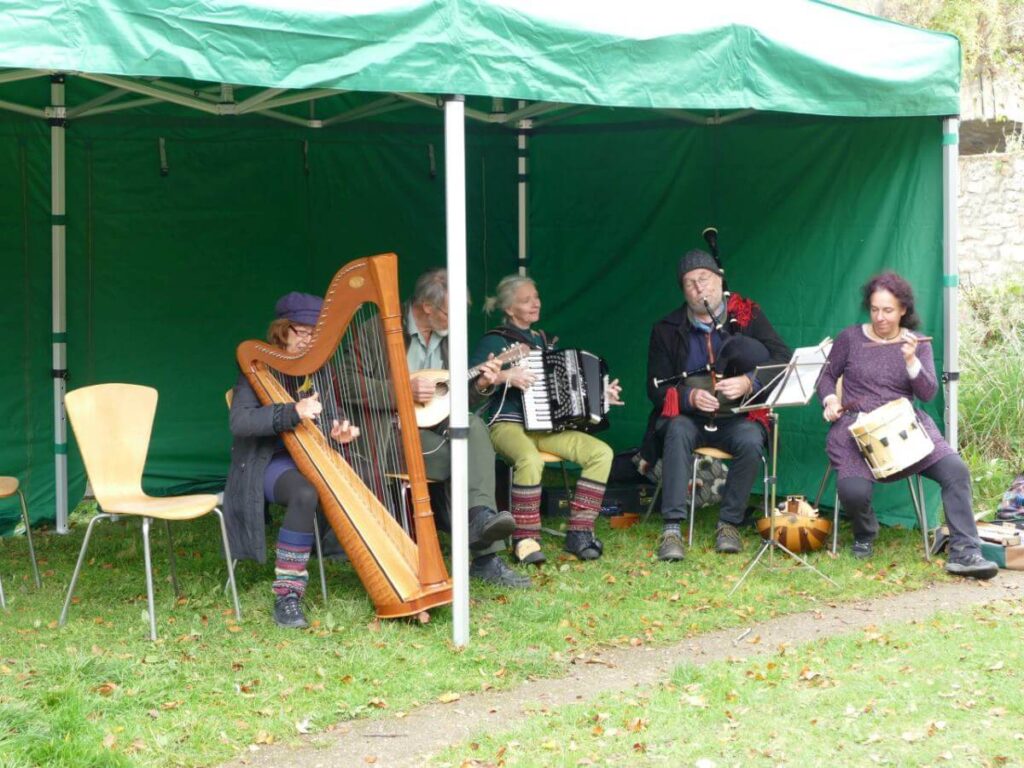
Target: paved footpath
column 410, row 740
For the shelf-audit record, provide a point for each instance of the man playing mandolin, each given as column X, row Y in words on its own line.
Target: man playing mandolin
column 425, row 330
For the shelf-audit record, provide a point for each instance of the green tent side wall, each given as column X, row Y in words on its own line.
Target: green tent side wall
column 167, row 273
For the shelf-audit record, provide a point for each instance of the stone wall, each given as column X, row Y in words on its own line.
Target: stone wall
column 991, row 223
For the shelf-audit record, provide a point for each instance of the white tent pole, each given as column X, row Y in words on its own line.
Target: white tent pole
column 951, row 275
column 57, row 118
column 458, row 355
column 523, row 174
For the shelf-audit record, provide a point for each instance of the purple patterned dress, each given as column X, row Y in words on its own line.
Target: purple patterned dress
column 872, row 377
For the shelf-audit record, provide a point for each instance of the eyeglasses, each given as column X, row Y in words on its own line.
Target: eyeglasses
column 701, row 282
column 302, row 331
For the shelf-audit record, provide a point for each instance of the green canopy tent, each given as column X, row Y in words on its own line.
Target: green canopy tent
column 602, row 139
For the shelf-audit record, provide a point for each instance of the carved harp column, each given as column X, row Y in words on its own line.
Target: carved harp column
column 373, row 491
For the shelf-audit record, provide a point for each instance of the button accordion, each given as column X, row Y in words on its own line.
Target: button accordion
column 568, row 391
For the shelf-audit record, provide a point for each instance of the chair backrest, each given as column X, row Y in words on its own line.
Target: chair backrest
column 113, row 424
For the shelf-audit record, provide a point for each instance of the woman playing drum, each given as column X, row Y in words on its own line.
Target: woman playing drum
column 879, row 362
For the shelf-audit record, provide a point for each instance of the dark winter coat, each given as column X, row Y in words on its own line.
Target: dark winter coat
column 255, row 429
column 676, row 347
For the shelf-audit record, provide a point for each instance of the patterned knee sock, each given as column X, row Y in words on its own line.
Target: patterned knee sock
column 290, row 574
column 585, row 505
column 526, row 511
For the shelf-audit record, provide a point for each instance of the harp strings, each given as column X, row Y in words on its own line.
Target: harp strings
column 356, row 385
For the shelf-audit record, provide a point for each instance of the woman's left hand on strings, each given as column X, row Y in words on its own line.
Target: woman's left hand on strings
column 344, row 432
column 489, row 370
column 613, row 392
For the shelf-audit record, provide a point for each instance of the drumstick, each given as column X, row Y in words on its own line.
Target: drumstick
column 900, row 340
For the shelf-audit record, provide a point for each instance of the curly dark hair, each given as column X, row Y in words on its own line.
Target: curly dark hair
column 898, row 287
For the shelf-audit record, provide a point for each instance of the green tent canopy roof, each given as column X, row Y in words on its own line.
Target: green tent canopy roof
column 786, row 55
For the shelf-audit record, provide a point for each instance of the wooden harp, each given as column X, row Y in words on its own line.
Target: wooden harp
column 373, row 491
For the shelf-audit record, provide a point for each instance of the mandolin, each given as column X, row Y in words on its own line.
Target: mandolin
column 436, row 410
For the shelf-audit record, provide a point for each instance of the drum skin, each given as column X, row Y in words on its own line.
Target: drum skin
column 797, row 526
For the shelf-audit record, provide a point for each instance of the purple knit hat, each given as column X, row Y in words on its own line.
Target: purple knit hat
column 301, row 308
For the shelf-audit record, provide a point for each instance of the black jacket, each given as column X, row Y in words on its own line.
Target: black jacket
column 670, row 349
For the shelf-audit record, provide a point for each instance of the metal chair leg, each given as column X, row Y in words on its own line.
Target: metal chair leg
column 565, row 482
column 693, row 499
column 653, row 501
column 917, row 499
column 149, row 577
column 835, row 525
column 823, row 485
column 172, row 559
column 28, row 534
column 78, row 565
column 319, row 556
column 227, row 559
column 3, row 602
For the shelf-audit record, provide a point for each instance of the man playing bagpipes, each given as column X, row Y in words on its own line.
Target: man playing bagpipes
column 700, row 363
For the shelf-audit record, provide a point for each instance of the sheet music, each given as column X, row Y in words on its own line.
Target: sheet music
column 795, row 380
column 805, row 367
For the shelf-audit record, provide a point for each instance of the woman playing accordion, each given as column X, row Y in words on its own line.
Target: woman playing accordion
column 518, row 299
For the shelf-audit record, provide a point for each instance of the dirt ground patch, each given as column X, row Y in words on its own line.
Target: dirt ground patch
column 410, row 740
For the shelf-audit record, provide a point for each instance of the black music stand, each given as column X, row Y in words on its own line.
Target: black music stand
column 791, row 384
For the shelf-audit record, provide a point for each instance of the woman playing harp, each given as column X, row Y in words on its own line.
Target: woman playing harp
column 261, row 467
column 372, row 491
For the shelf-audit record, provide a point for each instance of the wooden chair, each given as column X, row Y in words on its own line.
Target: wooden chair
column 229, row 397
column 112, row 424
column 8, row 487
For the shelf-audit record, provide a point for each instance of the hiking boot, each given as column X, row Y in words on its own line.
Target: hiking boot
column 670, row 547
column 487, row 526
column 727, row 539
column 583, row 544
column 492, row 569
column 973, row 566
column 288, row 612
column 862, row 550
column 527, row 552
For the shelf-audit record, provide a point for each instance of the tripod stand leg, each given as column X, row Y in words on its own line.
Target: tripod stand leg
column 772, row 544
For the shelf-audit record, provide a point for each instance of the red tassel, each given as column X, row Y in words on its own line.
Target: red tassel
column 671, row 406
column 760, row 416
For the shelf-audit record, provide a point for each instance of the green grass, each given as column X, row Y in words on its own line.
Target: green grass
column 96, row 692
column 940, row 692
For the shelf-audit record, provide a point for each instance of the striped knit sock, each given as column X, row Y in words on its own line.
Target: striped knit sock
column 526, row 511
column 585, row 505
column 290, row 574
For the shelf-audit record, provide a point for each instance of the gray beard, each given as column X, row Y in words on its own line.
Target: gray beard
column 691, row 315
